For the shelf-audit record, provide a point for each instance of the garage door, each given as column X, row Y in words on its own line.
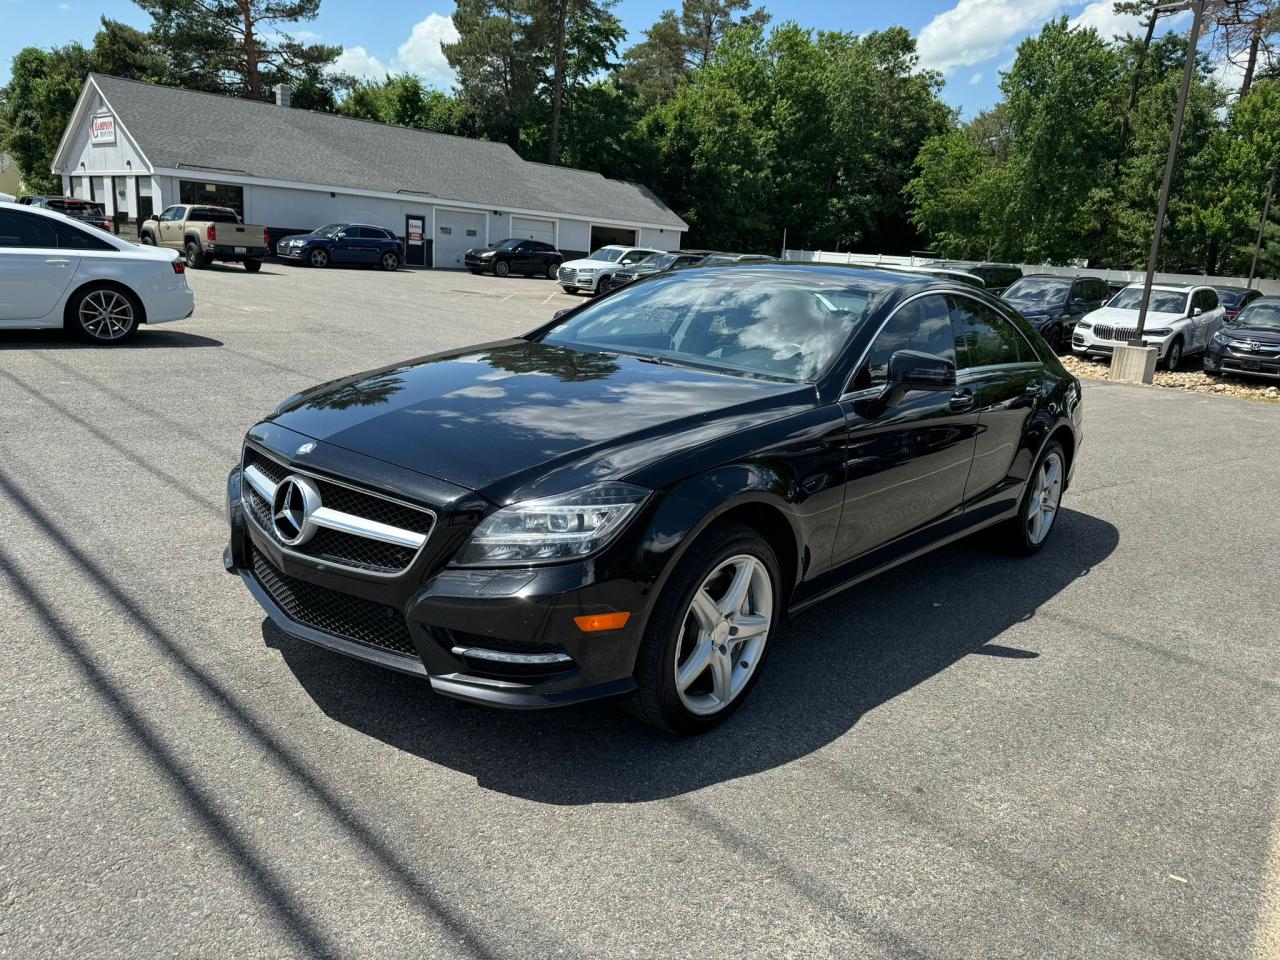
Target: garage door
column 457, row 231
column 524, row 228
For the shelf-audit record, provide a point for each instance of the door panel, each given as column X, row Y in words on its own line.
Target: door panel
column 34, row 272
column 456, row 232
column 905, row 466
column 526, row 228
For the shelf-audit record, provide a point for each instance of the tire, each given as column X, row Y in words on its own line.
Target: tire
column 318, row 258
column 719, row 671
column 1057, row 340
column 1020, row 535
column 252, row 266
column 390, row 261
column 148, row 240
column 1174, row 356
column 104, row 315
column 501, row 269
column 568, row 289
column 195, row 259
column 553, row 270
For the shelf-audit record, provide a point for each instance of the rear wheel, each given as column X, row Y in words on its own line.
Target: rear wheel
column 252, row 266
column 195, row 259
column 105, row 315
column 501, row 269
column 552, row 270
column 1038, row 510
column 390, row 261
column 706, row 639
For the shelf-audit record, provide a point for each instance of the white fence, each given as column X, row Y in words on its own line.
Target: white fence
column 1269, row 287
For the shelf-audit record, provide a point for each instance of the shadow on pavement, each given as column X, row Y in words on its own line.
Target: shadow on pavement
column 828, row 667
column 59, row 339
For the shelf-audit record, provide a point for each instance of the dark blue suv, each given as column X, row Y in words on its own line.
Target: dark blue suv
column 344, row 243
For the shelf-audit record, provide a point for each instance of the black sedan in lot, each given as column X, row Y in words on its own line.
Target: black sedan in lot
column 344, row 243
column 1248, row 344
column 657, row 263
column 530, row 258
column 626, row 501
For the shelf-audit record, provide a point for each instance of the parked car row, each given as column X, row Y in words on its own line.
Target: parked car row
column 85, row 211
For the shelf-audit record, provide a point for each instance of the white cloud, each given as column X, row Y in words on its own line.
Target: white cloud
column 359, row 63
column 421, row 53
column 306, row 36
column 1101, row 15
column 975, row 80
column 976, row 30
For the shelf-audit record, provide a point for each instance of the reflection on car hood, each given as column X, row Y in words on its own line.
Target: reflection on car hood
column 1260, row 334
column 1033, row 306
column 1129, row 318
column 516, row 419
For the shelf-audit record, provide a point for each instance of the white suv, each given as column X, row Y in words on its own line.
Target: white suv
column 595, row 273
column 1181, row 320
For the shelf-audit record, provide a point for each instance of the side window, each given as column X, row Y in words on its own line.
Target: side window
column 923, row 325
column 988, row 338
column 1210, row 300
column 73, row 238
column 357, row 233
column 25, row 230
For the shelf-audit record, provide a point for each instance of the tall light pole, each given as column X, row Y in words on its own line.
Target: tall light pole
column 1262, row 227
column 1197, row 9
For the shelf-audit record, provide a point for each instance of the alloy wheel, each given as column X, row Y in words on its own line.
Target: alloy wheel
column 106, row 315
column 1046, row 494
column 390, row 261
column 319, row 258
column 723, row 634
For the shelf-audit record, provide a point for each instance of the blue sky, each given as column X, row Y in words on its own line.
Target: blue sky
column 969, row 40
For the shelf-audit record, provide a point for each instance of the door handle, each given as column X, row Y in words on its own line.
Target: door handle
column 961, row 400
column 58, row 262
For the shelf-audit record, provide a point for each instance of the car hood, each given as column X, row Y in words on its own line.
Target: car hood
column 1269, row 336
column 1129, row 318
column 305, row 236
column 518, row 419
column 593, row 264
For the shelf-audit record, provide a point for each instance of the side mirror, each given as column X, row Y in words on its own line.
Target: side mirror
column 914, row 370
column 559, row 313
column 1196, row 312
column 339, row 236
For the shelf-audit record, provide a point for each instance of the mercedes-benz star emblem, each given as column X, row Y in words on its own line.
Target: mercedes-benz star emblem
column 296, row 500
column 305, row 449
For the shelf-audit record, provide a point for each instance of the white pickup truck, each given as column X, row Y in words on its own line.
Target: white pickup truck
column 205, row 233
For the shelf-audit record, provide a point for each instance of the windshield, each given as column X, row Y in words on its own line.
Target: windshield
column 658, row 261
column 1162, row 301
column 782, row 327
column 508, row 245
column 607, row 254
column 1040, row 290
column 1259, row 316
column 329, row 229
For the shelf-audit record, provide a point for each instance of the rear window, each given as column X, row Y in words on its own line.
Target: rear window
column 213, row 215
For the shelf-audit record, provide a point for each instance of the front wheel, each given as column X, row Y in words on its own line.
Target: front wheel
column 318, row 257
column 252, row 266
column 1174, row 356
column 390, row 261
column 104, row 315
column 707, row 636
column 148, row 240
column 501, row 269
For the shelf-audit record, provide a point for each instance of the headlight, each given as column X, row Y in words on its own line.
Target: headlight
column 487, row 253
column 1081, row 325
column 1158, row 331
column 584, row 271
column 565, row 527
column 1222, row 339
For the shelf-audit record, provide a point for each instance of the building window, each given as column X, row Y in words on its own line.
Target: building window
column 213, row 194
column 446, row 230
column 97, row 191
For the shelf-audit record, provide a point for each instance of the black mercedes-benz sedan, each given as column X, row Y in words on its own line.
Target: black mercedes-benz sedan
column 626, row 501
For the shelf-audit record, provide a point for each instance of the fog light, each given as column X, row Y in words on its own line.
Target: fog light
column 595, row 622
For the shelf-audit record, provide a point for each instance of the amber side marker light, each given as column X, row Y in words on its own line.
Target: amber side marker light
column 595, row 622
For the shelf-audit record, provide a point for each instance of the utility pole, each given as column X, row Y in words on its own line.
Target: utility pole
column 1262, row 227
column 1138, row 360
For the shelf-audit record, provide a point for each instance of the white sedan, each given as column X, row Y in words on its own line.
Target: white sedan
column 55, row 272
column 1181, row 320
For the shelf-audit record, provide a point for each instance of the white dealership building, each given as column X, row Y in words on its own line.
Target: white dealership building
column 139, row 147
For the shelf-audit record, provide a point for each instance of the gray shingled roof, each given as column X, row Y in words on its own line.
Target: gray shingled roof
column 201, row 131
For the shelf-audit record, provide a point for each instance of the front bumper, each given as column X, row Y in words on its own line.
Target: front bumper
column 501, row 637
column 1248, row 363
column 1084, row 342
column 479, row 263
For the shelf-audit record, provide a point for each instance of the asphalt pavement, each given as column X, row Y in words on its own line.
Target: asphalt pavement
column 1072, row 756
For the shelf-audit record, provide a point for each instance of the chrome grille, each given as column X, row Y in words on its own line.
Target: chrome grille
column 1105, row 331
column 567, row 275
column 353, row 529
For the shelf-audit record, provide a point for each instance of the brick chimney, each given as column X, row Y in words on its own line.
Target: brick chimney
column 282, row 94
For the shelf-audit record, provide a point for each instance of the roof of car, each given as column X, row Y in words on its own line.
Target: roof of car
column 1229, row 287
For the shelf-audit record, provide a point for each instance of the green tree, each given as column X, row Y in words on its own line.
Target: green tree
column 237, row 47
column 402, row 100
column 124, row 51
column 35, row 106
column 500, row 59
